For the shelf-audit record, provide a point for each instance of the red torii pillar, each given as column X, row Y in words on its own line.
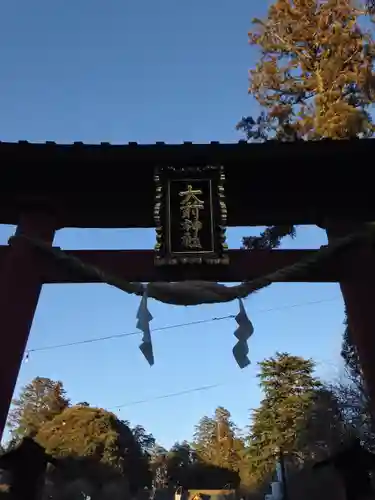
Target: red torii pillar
column 20, row 286
column 359, row 298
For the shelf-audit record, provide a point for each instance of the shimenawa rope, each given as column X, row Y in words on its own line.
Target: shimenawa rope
column 188, row 293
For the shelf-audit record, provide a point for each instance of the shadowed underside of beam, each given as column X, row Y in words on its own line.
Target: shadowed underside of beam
column 138, row 265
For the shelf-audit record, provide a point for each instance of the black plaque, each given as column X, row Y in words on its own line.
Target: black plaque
column 190, row 215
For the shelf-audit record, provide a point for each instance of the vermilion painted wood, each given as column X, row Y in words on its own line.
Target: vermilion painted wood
column 20, row 287
column 359, row 298
column 138, row 265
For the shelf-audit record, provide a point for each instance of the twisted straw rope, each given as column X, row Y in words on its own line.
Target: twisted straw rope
column 189, row 293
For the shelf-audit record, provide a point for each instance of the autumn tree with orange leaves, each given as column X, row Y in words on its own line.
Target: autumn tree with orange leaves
column 314, row 79
column 315, row 75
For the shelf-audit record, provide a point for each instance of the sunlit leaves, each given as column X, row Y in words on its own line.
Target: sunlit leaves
column 314, row 78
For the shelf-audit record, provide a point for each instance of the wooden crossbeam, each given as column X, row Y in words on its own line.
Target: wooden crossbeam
column 248, row 168
column 138, row 265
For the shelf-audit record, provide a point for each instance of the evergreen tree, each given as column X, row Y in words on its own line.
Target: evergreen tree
column 216, row 441
column 229, row 446
column 39, row 402
column 179, row 460
column 324, row 428
column 145, row 440
column 181, row 455
column 158, row 453
column 352, row 393
column 86, row 432
column 349, row 353
column 289, row 388
column 204, row 439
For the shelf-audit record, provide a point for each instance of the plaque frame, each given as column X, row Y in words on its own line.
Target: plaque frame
column 168, row 232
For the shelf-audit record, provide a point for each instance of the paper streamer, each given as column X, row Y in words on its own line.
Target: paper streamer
column 243, row 333
column 144, row 317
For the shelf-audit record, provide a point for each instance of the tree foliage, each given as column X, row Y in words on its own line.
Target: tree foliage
column 216, row 440
column 315, row 76
column 352, row 393
column 145, row 440
column 97, row 451
column 82, row 431
column 314, row 79
column 181, row 455
column 349, row 353
column 38, row 403
column 289, row 388
column 324, row 428
column 157, row 454
column 270, row 238
column 178, row 462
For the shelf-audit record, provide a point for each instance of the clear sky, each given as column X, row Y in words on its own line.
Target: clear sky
column 121, row 71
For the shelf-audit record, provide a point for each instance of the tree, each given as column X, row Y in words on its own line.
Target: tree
column 158, row 453
column 146, row 441
column 289, row 389
column 349, row 353
column 39, row 402
column 216, row 441
column 315, row 76
column 314, row 79
column 229, row 446
column 204, row 438
column 178, row 461
column 352, row 393
column 181, row 455
column 324, row 428
column 86, row 432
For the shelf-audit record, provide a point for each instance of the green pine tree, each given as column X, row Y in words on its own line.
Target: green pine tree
column 181, row 455
column 179, row 460
column 324, row 429
column 204, row 439
column 352, row 392
column 216, row 441
column 289, row 388
column 39, row 402
column 229, row 445
column 145, row 440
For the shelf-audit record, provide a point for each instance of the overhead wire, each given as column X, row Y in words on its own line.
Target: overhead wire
column 174, row 326
column 169, row 395
column 169, row 327
column 200, row 388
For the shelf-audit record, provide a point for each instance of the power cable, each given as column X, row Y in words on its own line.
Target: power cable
column 170, row 327
column 128, row 334
column 170, row 395
column 191, row 323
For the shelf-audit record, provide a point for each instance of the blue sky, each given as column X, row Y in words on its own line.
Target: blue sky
column 148, row 71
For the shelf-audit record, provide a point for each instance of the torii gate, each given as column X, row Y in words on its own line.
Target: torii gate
column 46, row 187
